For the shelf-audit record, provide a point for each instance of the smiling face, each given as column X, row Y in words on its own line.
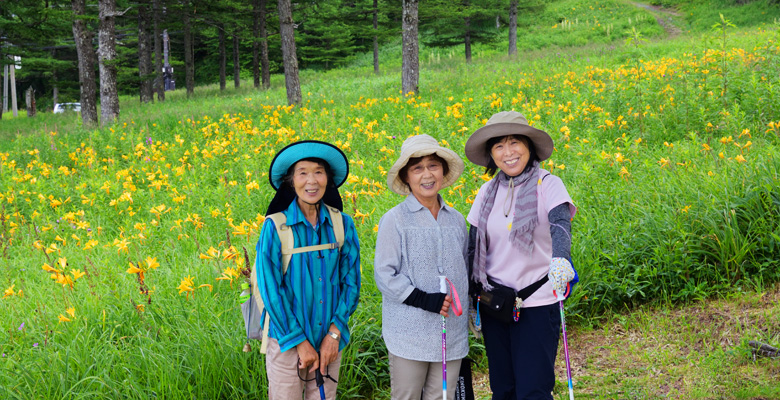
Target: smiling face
column 309, row 179
column 511, row 154
column 425, row 177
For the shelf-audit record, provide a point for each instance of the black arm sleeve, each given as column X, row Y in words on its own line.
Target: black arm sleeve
column 560, row 231
column 427, row 301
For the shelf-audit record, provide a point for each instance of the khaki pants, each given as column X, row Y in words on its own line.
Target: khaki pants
column 283, row 380
column 415, row 380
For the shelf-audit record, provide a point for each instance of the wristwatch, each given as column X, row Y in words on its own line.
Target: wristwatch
column 334, row 335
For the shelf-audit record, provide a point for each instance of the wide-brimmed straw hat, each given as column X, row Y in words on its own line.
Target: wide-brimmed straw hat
column 506, row 123
column 291, row 154
column 421, row 146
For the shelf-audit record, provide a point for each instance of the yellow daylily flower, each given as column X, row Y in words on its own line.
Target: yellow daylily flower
column 48, row 268
column 186, row 286
column 9, row 292
column 152, row 263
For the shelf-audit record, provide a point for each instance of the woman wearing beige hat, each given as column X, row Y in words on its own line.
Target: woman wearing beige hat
column 521, row 241
column 419, row 240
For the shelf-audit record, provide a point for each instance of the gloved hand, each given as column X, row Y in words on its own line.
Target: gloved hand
column 561, row 273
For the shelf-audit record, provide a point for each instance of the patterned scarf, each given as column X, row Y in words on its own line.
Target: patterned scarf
column 523, row 223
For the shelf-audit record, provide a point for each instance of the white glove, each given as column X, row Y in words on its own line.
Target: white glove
column 561, row 273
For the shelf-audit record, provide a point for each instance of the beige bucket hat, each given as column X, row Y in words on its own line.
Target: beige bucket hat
column 421, row 146
column 506, row 123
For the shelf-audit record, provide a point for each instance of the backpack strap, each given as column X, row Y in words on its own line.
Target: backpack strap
column 338, row 224
column 285, row 237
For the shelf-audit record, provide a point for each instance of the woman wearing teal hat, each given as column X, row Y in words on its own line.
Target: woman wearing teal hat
column 310, row 304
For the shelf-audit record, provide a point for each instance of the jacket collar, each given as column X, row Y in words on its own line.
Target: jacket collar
column 414, row 205
column 295, row 215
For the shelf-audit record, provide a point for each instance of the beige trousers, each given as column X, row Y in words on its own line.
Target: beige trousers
column 283, row 380
column 415, row 380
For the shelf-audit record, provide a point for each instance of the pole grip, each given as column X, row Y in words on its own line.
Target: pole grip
column 442, row 284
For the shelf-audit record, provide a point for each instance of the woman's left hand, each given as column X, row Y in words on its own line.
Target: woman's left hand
column 329, row 349
column 561, row 273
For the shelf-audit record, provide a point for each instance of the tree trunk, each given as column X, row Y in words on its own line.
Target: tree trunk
column 30, row 101
column 376, row 37
column 236, row 65
column 255, row 44
column 467, row 39
column 189, row 63
column 109, row 97
column 265, row 68
column 5, row 86
column 410, row 64
column 145, row 68
column 222, row 56
column 513, row 28
column 158, row 56
column 286, row 30
column 87, row 60
column 12, row 77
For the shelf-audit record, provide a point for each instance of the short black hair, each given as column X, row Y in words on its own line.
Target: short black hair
column 492, row 168
column 287, row 179
column 416, row 160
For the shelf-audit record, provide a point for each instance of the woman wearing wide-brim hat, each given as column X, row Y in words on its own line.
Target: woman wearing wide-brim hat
column 310, row 304
column 419, row 240
column 520, row 241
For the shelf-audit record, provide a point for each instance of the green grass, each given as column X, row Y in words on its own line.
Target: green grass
column 675, row 207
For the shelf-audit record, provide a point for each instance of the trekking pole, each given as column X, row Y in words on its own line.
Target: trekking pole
column 443, row 289
column 566, row 346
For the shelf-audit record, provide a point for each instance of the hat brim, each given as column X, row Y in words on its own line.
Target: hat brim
column 478, row 154
column 292, row 153
column 454, row 163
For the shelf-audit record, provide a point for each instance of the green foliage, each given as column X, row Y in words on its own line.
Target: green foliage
column 675, row 180
column 446, row 23
column 322, row 39
column 700, row 14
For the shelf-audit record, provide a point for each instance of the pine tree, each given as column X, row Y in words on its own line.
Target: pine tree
column 324, row 39
column 448, row 23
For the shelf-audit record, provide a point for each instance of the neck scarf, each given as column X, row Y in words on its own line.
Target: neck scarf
column 523, row 189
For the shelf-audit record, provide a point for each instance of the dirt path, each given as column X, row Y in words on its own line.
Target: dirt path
column 694, row 351
column 664, row 16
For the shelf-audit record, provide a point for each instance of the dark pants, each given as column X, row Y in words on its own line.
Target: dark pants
column 521, row 355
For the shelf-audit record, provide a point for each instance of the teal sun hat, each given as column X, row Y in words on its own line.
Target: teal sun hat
column 298, row 151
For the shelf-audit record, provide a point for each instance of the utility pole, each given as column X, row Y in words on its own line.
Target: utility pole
column 168, row 81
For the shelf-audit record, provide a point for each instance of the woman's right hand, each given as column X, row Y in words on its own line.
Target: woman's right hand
column 307, row 356
column 445, row 307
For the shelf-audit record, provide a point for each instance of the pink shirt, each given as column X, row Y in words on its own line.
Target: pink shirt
column 505, row 264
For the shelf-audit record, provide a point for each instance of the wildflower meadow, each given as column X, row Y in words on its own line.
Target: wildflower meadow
column 122, row 249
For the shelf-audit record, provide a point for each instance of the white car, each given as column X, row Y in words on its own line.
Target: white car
column 63, row 107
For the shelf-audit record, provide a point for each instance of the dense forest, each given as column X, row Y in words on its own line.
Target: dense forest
column 221, row 41
column 92, row 51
